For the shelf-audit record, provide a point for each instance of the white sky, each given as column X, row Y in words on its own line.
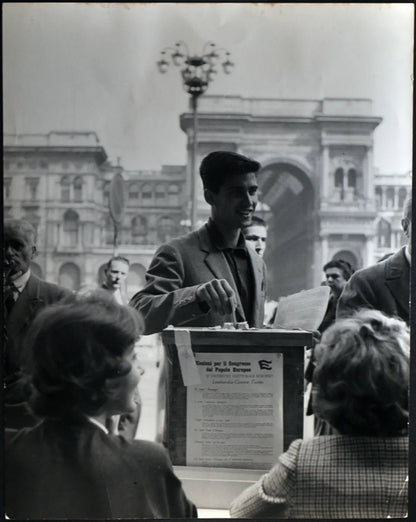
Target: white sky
column 74, row 66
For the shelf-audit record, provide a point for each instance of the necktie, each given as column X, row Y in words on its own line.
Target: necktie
column 10, row 295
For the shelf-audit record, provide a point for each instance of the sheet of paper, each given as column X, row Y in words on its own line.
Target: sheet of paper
column 189, row 369
column 235, row 416
column 304, row 310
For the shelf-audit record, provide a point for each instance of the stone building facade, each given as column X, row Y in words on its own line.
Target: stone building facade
column 317, row 177
column 60, row 182
column 324, row 197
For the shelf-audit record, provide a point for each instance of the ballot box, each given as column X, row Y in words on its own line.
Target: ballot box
column 234, row 403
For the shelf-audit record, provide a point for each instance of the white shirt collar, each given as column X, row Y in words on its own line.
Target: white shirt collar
column 22, row 280
column 98, row 424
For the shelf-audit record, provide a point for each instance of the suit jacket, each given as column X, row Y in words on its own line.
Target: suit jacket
column 72, row 470
column 331, row 477
column 384, row 286
column 176, row 271
column 35, row 296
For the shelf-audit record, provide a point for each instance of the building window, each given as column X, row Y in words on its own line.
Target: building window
column 379, row 197
column 43, row 164
column 339, row 178
column 134, row 192
column 65, row 189
column 78, row 189
column 32, row 188
column 402, row 197
column 70, row 276
column 166, row 228
column 352, row 178
column 173, row 190
column 146, row 192
column 106, row 192
column 390, row 197
column 71, row 228
column 160, row 191
column 383, row 234
column 138, row 230
column 7, row 183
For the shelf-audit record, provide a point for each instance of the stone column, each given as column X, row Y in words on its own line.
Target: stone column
column 325, row 173
column 396, row 198
column 383, row 197
column 369, row 175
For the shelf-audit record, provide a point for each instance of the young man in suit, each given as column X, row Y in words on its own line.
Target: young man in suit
column 209, row 276
column 24, row 295
column 384, row 286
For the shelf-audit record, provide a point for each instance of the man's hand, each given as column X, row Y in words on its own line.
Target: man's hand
column 219, row 295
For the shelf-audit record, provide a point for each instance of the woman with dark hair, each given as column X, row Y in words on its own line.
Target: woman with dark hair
column 69, row 466
column 360, row 386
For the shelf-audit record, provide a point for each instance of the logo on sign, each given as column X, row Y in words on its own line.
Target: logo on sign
column 265, row 365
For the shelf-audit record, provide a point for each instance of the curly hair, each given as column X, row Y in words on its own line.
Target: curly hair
column 76, row 345
column 361, row 381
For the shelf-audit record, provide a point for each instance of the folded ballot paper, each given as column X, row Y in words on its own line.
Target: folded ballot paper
column 304, row 310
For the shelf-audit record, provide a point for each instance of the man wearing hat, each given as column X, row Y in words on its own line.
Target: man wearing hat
column 210, row 276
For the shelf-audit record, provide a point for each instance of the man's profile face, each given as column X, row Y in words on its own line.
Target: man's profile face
column 116, row 274
column 335, row 280
column 235, row 202
column 19, row 250
column 256, row 235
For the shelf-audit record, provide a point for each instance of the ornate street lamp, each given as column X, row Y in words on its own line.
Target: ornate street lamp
column 197, row 72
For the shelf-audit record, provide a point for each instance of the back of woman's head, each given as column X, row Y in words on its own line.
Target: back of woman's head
column 360, row 385
column 76, row 346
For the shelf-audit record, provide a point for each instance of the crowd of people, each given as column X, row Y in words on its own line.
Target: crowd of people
column 71, row 373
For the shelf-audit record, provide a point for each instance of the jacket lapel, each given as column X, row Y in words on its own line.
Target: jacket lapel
column 217, row 264
column 397, row 275
column 257, row 265
column 28, row 302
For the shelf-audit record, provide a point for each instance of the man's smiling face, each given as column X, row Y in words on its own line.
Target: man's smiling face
column 234, row 203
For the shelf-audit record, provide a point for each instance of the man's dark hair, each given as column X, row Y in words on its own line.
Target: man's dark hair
column 117, row 258
column 219, row 164
column 256, row 221
column 346, row 268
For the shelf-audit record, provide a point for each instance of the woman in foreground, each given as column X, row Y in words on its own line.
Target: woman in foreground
column 69, row 465
column 360, row 387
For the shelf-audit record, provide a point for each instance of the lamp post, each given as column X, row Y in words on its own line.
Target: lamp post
column 197, row 72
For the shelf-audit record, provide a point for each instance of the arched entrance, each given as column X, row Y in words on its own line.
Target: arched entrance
column 289, row 255
column 70, row 276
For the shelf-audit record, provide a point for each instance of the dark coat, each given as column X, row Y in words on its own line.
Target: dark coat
column 73, row 470
column 176, row 271
column 384, row 286
column 36, row 295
